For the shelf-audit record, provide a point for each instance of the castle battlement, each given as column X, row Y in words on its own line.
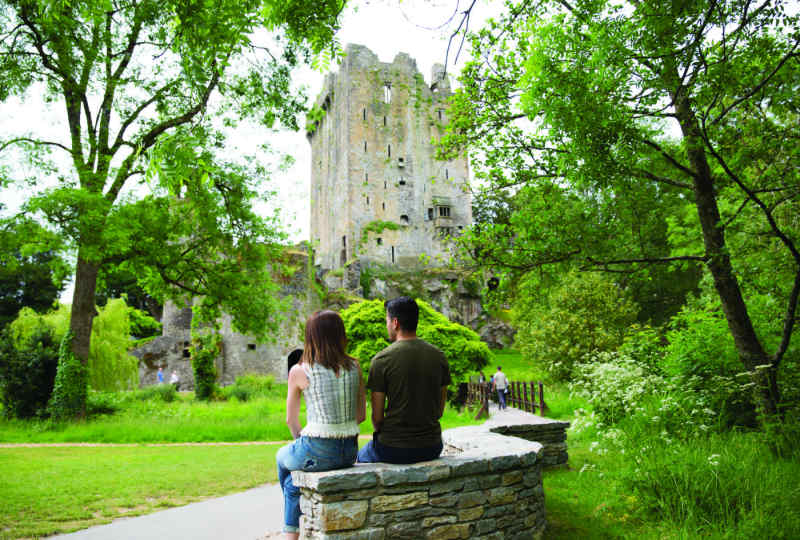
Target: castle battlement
column 378, row 196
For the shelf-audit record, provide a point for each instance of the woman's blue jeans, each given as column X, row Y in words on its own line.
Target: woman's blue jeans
column 309, row 454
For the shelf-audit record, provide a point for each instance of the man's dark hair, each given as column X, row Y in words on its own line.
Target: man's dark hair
column 293, row 358
column 405, row 310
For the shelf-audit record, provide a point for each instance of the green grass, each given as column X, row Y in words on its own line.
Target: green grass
column 51, row 490
column 182, row 420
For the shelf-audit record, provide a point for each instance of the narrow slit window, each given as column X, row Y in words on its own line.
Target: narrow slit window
column 387, row 93
column 389, row 150
column 446, row 173
column 385, row 184
column 344, row 241
column 364, row 114
column 384, row 121
column 379, row 241
column 430, row 213
column 365, row 146
column 392, row 254
column 383, row 205
column 366, row 177
column 367, row 201
column 440, row 115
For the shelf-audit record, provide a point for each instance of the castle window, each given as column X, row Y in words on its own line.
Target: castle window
column 404, row 219
column 364, row 114
column 367, row 201
column 387, row 93
column 430, row 214
column 344, row 241
column 446, row 173
column 251, row 346
column 379, row 241
column 401, row 162
column 392, row 254
column 444, row 211
column 440, row 115
column 384, row 184
column 389, row 150
column 366, row 177
column 186, row 353
column 402, row 181
column 343, row 257
column 384, row 121
column 383, row 205
column 365, row 146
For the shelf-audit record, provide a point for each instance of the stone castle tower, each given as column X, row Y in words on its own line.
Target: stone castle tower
column 378, row 196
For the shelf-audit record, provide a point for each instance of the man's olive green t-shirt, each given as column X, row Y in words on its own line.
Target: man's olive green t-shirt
column 411, row 373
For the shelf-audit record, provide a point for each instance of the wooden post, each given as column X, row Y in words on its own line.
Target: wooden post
column 525, row 403
column 541, row 398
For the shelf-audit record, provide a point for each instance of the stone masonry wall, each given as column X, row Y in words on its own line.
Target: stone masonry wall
column 487, row 486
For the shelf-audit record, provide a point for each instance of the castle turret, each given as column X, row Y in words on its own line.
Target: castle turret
column 378, row 196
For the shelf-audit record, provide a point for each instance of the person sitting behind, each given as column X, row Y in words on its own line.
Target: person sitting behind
column 333, row 388
column 174, row 380
column 413, row 375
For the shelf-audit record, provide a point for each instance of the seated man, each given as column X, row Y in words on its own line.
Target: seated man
column 413, row 376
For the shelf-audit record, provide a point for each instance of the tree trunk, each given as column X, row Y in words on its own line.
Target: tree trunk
column 749, row 348
column 83, row 307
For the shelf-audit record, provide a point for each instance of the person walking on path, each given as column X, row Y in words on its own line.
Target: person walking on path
column 333, row 388
column 500, row 383
column 413, row 376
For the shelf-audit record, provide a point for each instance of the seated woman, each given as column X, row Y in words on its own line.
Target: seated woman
column 334, row 392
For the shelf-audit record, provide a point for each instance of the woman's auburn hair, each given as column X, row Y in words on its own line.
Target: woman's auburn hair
column 326, row 341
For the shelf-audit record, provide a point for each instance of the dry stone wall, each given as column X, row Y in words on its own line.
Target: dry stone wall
column 486, row 486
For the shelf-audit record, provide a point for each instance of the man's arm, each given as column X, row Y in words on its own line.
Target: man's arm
column 378, row 400
column 443, row 401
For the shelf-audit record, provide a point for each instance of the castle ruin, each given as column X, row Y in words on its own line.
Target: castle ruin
column 378, row 196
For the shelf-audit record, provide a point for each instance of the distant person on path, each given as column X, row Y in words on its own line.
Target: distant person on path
column 413, row 376
column 174, row 380
column 333, row 388
column 500, row 383
column 160, row 375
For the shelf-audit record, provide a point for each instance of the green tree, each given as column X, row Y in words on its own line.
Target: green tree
column 607, row 119
column 584, row 313
column 32, row 271
column 142, row 84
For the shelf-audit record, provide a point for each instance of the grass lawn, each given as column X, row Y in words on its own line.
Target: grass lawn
column 50, row 490
column 54, row 490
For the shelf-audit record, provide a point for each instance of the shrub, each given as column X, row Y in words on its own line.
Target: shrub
column 582, row 314
column 27, row 372
column 157, row 392
column 251, row 386
column 98, row 403
column 365, row 324
column 614, row 384
column 71, row 384
column 204, row 351
column 110, row 367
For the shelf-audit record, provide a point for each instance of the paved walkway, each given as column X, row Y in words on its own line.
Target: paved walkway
column 254, row 514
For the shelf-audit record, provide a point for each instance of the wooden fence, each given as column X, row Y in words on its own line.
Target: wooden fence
column 522, row 395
